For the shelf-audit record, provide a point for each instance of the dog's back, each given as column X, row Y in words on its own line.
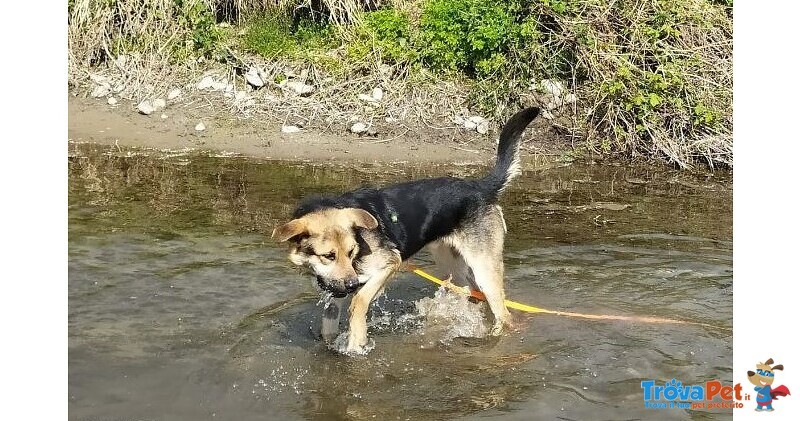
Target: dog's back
column 414, row 213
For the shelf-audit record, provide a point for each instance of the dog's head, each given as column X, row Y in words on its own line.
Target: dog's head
column 326, row 242
column 764, row 374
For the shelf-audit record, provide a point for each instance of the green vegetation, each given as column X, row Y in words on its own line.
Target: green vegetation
column 652, row 77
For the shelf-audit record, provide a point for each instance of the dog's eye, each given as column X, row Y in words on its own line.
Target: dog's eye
column 352, row 253
column 330, row 256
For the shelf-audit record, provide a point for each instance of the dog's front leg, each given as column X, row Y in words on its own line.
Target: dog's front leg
column 330, row 319
column 357, row 337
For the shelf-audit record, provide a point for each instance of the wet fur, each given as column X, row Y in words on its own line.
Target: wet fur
column 458, row 219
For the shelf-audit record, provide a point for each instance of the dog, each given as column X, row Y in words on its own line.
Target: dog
column 356, row 241
column 763, row 378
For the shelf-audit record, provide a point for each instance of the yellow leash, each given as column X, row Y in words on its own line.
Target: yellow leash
column 531, row 309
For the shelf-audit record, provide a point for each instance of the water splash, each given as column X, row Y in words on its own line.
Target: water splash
column 447, row 316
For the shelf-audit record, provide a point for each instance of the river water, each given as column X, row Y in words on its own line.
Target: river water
column 182, row 308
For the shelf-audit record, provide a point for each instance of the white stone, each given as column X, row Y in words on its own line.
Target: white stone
column 200, row 127
column 366, row 98
column 163, row 116
column 119, row 88
column 240, row 95
column 145, row 107
column 570, row 99
column 470, row 125
column 122, row 60
column 159, row 104
column 290, row 129
column 174, row 93
column 112, row 101
column 477, row 119
column 458, row 120
column 304, row 74
column 99, row 79
column 483, row 127
column 101, row 90
column 205, row 83
column 300, row 87
column 377, row 94
column 358, row 128
column 553, row 87
column 253, row 77
column 547, row 115
column 219, row 85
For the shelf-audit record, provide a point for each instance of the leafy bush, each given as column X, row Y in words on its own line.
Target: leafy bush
column 273, row 36
column 469, row 35
column 387, row 31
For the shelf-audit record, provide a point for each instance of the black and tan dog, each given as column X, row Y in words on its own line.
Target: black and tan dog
column 356, row 241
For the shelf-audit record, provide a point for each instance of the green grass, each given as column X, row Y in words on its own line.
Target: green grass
column 272, row 37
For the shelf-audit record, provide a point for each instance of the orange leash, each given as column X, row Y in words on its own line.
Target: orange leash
column 531, row 309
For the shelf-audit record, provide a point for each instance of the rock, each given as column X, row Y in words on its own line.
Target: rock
column 358, row 128
column 119, row 88
column 99, row 79
column 470, row 125
column 200, row 127
column 219, row 85
column 366, row 98
column 253, row 77
column 547, row 114
column 163, row 116
column 101, row 90
column 300, row 87
column 240, row 95
column 552, row 87
column 205, row 83
column 459, row 120
column 145, row 107
column 159, row 104
column 377, row 94
column 174, row 93
column 483, row 127
column 290, row 129
column 122, row 60
column 112, row 101
column 391, row 120
column 304, row 74
column 570, row 99
column 477, row 119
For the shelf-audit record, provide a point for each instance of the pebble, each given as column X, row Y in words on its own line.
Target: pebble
column 205, row 83
column 219, row 85
column 164, row 116
column 300, row 87
column 200, row 127
column 101, row 90
column 112, row 101
column 483, row 127
column 174, row 94
column 290, row 129
column 552, row 87
column 240, row 95
column 377, row 94
column 253, row 77
column 358, row 127
column 159, row 104
column 145, row 107
column 470, row 125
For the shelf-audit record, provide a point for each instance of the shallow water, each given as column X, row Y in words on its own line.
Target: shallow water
column 182, row 308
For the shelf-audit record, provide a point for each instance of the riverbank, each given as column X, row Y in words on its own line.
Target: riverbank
column 175, row 127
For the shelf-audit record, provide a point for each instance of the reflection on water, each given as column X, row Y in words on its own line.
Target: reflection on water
column 180, row 307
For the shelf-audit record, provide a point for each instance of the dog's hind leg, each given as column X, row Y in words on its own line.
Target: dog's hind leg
column 480, row 243
column 330, row 319
column 450, row 263
column 357, row 337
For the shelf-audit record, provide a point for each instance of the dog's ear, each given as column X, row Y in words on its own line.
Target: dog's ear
column 362, row 218
column 778, row 367
column 769, row 361
column 290, row 229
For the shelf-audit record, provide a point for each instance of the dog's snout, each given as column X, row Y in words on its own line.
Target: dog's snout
column 351, row 283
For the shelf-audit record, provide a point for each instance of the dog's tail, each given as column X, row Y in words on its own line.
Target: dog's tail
column 508, row 165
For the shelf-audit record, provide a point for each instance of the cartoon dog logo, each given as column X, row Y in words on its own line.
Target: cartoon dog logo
column 762, row 378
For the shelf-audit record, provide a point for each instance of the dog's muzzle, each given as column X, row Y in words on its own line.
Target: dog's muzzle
column 348, row 287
